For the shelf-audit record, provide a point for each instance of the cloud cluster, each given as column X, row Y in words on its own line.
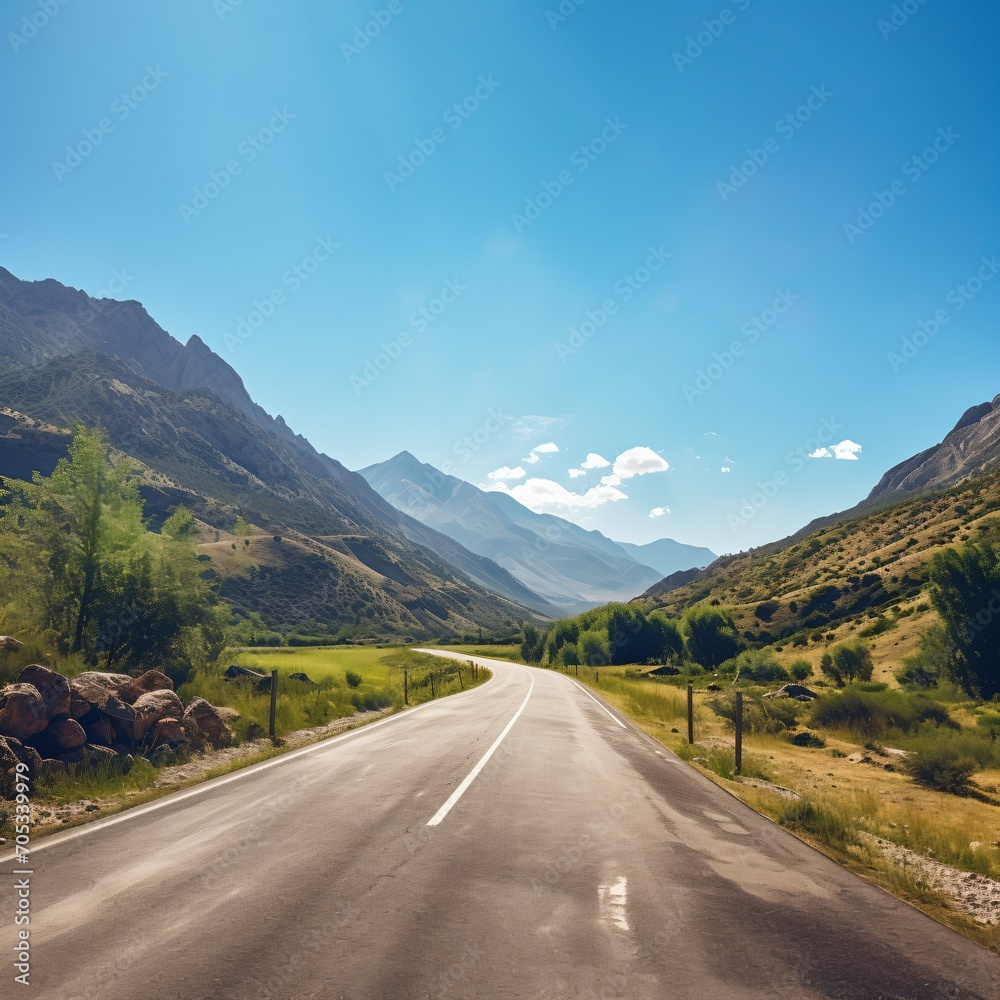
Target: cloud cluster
column 549, row 448
column 547, row 497
column 659, row 511
column 846, row 451
column 506, row 472
column 595, row 461
column 635, row 462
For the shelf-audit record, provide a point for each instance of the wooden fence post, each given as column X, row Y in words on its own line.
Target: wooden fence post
column 274, row 702
column 739, row 731
column 406, row 687
column 690, row 714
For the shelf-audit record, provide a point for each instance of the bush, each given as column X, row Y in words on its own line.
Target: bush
column 810, row 818
column 353, row 679
column 848, row 662
column 807, row 739
column 759, row 716
column 942, row 768
column 800, row 670
column 871, row 714
column 754, row 665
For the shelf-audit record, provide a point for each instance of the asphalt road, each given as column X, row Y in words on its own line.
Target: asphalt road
column 577, row 862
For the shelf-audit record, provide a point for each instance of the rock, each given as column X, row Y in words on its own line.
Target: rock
column 66, row 733
column 209, row 722
column 8, row 644
column 299, row 676
column 12, row 753
column 794, row 691
column 807, row 739
column 169, row 730
column 151, row 707
column 99, row 730
column 95, row 688
column 52, row 686
column 22, row 711
column 151, row 680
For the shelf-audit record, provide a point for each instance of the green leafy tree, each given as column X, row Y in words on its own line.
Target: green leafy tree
column 532, row 643
column 668, row 639
column 965, row 590
column 594, row 649
column 711, row 635
column 848, row 662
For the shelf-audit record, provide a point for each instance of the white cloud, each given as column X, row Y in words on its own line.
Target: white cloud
column 547, row 496
column 659, row 511
column 506, row 472
column 846, row 451
column 639, row 462
column 595, row 461
column 726, row 468
column 576, row 473
column 611, row 480
column 550, row 448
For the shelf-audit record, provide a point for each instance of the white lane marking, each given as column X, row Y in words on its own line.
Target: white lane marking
column 173, row 799
column 613, row 899
column 597, row 703
column 471, row 777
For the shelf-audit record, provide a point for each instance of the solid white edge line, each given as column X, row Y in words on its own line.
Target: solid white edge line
column 54, row 839
column 597, row 703
column 463, row 787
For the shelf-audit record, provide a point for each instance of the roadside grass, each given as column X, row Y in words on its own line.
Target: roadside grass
column 841, row 801
column 343, row 680
column 511, row 653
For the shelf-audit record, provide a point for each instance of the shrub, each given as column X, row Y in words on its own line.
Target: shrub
column 800, row 670
column 871, row 714
column 754, row 665
column 810, row 818
column 807, row 739
column 353, row 679
column 759, row 716
column 942, row 768
column 848, row 662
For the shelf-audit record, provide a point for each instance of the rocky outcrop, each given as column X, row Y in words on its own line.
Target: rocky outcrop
column 972, row 446
column 8, row 644
column 794, row 691
column 53, row 724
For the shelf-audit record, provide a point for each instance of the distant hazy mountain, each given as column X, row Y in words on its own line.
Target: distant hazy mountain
column 346, row 559
column 668, row 556
column 570, row 566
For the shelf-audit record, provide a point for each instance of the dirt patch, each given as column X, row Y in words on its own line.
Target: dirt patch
column 975, row 895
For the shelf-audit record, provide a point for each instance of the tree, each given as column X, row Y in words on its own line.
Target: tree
column 85, row 573
column 594, row 649
column 711, row 635
column 532, row 643
column 668, row 639
column 965, row 591
column 848, row 662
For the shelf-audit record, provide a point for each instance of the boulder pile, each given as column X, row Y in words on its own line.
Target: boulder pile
column 49, row 722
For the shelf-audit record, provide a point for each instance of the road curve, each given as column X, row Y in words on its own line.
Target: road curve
column 578, row 860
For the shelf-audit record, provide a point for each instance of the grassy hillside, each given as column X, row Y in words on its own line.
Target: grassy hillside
column 858, row 577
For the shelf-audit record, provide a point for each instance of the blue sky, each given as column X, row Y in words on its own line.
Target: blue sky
column 541, row 228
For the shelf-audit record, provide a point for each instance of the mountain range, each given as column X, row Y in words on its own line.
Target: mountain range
column 571, row 567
